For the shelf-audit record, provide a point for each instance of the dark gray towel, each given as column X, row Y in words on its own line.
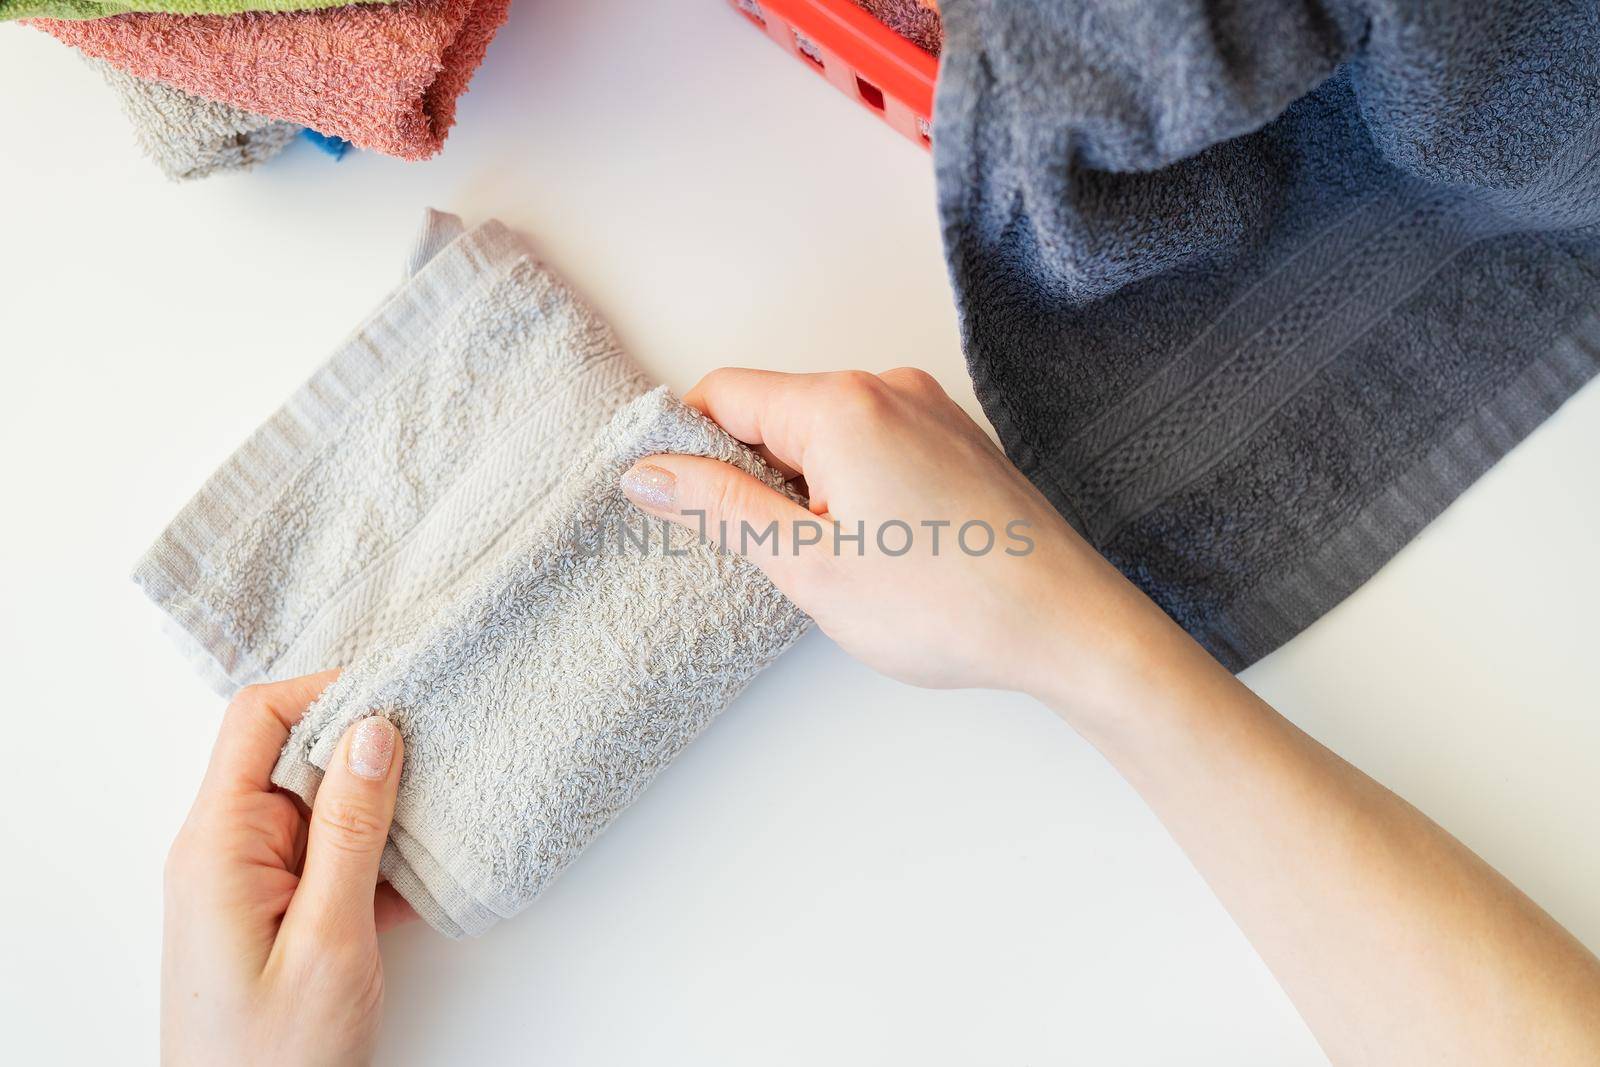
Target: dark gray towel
column 1253, row 289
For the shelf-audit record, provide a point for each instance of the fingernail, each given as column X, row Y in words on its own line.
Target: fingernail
column 372, row 748
column 650, row 485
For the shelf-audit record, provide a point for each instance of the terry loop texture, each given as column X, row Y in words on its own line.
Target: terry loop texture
column 384, row 77
column 188, row 137
column 421, row 513
column 99, row 9
column 915, row 20
column 1253, row 290
column 539, row 697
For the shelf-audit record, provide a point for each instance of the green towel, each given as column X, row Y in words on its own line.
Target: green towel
column 99, row 9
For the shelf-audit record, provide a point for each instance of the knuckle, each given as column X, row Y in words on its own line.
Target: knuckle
column 348, row 825
column 716, row 377
column 859, row 393
column 727, row 499
column 251, row 706
column 914, row 379
column 714, row 382
column 250, row 699
column 253, row 696
column 857, row 381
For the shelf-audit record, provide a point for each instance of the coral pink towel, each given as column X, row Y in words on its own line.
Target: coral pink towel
column 917, row 21
column 383, row 76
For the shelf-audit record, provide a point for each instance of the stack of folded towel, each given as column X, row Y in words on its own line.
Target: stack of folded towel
column 214, row 85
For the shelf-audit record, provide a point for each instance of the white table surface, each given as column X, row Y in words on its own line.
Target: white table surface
column 843, row 869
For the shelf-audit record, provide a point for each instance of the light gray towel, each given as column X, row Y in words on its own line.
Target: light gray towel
column 541, row 696
column 188, row 137
column 1252, row 289
column 427, row 512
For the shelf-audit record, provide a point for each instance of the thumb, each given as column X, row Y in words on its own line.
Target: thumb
column 349, row 825
column 736, row 510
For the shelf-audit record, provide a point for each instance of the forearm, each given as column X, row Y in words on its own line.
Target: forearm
column 1396, row 942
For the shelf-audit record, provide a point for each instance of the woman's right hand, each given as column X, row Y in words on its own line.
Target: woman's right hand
column 994, row 590
column 1396, row 943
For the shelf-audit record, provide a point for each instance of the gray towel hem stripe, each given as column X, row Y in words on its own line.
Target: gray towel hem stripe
column 1256, row 623
column 172, row 568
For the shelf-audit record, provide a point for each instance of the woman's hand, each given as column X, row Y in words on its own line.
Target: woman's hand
column 963, row 575
column 270, row 950
column 1397, row 944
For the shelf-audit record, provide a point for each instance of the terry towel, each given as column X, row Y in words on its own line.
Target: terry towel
column 99, row 9
column 428, row 512
column 384, row 77
column 915, row 20
column 188, row 137
column 1253, row 290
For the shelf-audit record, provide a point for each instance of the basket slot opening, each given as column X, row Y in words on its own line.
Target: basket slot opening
column 808, row 48
column 871, row 94
column 753, row 12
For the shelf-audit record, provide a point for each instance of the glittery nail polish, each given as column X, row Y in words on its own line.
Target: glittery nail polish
column 651, row 486
column 371, row 748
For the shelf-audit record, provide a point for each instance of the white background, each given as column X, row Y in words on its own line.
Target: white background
column 843, row 869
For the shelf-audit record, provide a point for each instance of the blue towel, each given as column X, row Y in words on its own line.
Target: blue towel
column 1252, row 289
column 333, row 146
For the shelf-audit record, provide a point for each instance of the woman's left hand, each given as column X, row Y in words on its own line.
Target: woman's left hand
column 270, row 943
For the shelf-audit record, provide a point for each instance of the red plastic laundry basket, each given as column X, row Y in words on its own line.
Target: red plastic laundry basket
column 857, row 54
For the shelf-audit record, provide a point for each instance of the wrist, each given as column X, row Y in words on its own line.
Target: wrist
column 1105, row 653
